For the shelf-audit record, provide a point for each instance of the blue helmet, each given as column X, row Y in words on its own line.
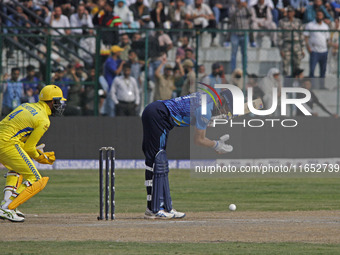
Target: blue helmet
column 228, row 97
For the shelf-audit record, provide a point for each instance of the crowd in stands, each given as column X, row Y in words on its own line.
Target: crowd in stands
column 121, row 81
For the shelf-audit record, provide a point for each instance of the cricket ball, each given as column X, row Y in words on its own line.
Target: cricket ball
column 232, row 207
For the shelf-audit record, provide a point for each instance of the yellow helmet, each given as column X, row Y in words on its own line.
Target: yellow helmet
column 51, row 92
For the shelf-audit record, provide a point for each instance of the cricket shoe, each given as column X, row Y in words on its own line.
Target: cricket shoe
column 161, row 214
column 10, row 215
column 177, row 215
column 20, row 214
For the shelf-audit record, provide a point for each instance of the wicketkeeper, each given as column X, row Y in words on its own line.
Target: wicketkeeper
column 158, row 119
column 20, row 131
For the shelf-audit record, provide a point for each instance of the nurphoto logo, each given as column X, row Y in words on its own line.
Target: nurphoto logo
column 238, row 105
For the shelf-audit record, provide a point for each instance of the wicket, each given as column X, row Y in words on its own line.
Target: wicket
column 109, row 160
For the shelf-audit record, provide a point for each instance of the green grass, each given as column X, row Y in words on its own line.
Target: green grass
column 97, row 248
column 76, row 191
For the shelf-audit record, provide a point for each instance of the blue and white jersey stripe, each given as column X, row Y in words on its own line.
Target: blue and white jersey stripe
column 187, row 110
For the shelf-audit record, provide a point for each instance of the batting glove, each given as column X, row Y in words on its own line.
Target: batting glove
column 221, row 147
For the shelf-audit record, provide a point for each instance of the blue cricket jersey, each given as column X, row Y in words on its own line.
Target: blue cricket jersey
column 187, row 110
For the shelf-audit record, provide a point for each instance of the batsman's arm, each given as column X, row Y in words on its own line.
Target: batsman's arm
column 219, row 146
column 31, row 143
column 201, row 140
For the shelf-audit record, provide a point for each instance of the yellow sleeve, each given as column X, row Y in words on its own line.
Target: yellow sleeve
column 31, row 143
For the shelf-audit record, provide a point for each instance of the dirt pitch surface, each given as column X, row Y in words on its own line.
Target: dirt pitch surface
column 306, row 226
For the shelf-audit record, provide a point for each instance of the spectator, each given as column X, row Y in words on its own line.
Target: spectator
column 103, row 93
column 177, row 16
column 55, row 57
column 126, row 15
column 112, row 67
column 159, row 45
column 31, row 85
column 179, row 78
column 138, row 44
column 297, row 77
column 189, row 54
column 81, row 19
column 74, row 92
column 316, row 43
column 141, row 14
column 80, row 73
column 46, row 5
column 237, row 78
column 28, row 4
column 136, row 66
column 136, row 69
column 38, row 22
column 278, row 8
column 299, row 7
column 42, row 10
column 158, row 15
column 18, row 19
column 223, row 76
column 105, row 18
column 56, row 19
column 261, row 18
column 306, row 83
column 202, row 17
column 268, row 83
column 336, row 8
column 189, row 85
column 67, row 7
column 220, row 9
column 125, row 93
column 286, row 41
column 89, row 94
column 311, row 10
column 98, row 12
column 180, row 52
column 126, row 45
column 164, row 40
column 201, row 73
column 239, row 19
column 13, row 91
column 88, row 43
column 253, row 83
column 165, row 83
column 61, row 81
column 215, row 76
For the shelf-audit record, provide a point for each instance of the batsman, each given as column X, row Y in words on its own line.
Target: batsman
column 158, row 119
column 20, row 131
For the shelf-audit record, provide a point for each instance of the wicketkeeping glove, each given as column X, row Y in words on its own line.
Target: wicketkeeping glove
column 46, row 157
column 221, row 147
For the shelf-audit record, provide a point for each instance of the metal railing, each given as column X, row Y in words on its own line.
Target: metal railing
column 257, row 60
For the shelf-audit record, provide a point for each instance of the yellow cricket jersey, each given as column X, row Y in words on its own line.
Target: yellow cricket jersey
column 25, row 125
